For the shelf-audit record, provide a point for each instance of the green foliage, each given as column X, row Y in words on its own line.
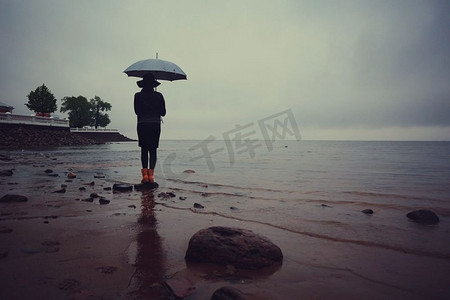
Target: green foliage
column 86, row 113
column 41, row 100
column 79, row 110
column 99, row 117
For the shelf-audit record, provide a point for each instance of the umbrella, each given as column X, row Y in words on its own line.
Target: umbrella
column 161, row 69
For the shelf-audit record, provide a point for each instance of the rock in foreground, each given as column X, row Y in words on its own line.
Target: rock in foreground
column 423, row 216
column 233, row 246
column 13, row 198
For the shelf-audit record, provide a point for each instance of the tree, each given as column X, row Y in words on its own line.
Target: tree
column 86, row 113
column 99, row 117
column 80, row 111
column 41, row 100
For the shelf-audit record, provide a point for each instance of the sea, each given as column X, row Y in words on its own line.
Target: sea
column 315, row 188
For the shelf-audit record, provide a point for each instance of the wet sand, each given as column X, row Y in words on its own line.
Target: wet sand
column 60, row 246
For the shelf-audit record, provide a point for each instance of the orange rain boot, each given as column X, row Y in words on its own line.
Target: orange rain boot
column 144, row 176
column 151, row 176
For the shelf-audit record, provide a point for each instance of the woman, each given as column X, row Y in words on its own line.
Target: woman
column 149, row 107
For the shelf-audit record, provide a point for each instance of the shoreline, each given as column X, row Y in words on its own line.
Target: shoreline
column 61, row 245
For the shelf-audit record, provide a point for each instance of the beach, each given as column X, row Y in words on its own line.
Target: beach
column 76, row 238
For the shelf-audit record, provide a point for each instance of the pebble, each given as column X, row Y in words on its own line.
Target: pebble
column 103, row 201
column 166, row 195
column 13, row 198
column 71, row 175
column 6, row 173
column 122, row 187
column 197, row 205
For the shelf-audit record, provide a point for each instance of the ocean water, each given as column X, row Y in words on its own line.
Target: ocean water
column 314, row 188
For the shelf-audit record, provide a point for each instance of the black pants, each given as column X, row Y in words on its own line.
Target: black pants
column 148, row 135
column 147, row 159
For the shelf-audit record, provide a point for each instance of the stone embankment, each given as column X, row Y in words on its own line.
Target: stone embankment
column 28, row 137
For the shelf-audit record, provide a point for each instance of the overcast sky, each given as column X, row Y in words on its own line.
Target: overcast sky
column 347, row 69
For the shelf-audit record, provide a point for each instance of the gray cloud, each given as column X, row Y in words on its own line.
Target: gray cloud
column 337, row 64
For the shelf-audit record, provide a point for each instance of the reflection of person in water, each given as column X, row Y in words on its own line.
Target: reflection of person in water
column 149, row 264
column 149, row 107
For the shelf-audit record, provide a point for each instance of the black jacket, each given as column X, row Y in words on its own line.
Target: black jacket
column 149, row 106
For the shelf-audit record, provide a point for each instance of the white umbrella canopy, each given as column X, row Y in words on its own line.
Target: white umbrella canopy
column 161, row 69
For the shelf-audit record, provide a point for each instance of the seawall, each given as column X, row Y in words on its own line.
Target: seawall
column 20, row 136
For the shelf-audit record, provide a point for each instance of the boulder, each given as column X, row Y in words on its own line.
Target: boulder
column 241, row 248
column 13, row 198
column 423, row 216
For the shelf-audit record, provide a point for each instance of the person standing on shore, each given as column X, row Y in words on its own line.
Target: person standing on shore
column 149, row 106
